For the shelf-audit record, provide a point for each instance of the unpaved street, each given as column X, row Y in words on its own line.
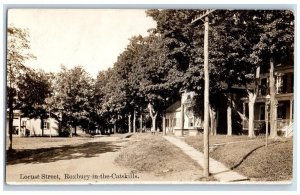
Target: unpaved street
column 91, row 162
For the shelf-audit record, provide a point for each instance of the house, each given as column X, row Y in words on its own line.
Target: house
column 23, row 126
column 180, row 118
column 284, row 82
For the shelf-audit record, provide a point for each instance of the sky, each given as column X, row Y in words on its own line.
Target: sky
column 93, row 38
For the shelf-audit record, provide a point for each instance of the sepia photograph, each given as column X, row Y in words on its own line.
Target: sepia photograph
column 149, row 96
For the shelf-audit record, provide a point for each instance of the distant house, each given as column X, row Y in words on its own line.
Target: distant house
column 284, row 82
column 181, row 119
column 23, row 126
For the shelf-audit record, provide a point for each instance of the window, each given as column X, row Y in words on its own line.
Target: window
column 191, row 122
column 262, row 112
column 24, row 123
column 247, row 110
column 176, row 122
column 282, row 84
column 46, row 125
column 167, row 122
column 281, row 111
column 263, row 86
column 15, row 130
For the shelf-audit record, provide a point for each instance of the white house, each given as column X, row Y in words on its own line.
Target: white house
column 23, row 126
column 180, row 117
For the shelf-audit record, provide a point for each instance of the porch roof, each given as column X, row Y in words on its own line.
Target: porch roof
column 279, row 97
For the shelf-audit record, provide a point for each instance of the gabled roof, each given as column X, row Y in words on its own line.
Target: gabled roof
column 174, row 107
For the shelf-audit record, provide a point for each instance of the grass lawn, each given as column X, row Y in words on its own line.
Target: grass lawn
column 154, row 154
column 250, row 157
column 45, row 149
column 44, row 142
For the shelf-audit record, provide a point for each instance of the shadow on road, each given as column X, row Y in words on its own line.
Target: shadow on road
column 67, row 152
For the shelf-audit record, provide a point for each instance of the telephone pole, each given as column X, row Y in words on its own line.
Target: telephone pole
column 206, row 93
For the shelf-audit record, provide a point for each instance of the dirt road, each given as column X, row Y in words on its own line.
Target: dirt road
column 89, row 163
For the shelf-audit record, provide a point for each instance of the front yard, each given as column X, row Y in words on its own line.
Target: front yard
column 44, row 149
column 153, row 154
column 250, row 157
column 44, row 142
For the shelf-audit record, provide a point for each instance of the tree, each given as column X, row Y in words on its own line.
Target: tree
column 18, row 46
column 34, row 89
column 275, row 46
column 73, row 91
column 185, row 48
column 141, row 79
column 100, row 92
column 233, row 36
column 129, row 59
column 155, row 73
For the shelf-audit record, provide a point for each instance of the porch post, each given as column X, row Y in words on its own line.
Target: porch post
column 291, row 111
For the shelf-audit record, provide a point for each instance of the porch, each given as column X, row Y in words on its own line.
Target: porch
column 260, row 126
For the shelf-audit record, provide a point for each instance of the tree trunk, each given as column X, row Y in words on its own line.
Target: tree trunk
column 229, row 121
column 251, row 103
column 129, row 123
column 141, row 123
column 75, row 130
column 153, row 128
column 153, row 116
column 10, row 118
column 273, row 103
column 229, row 114
column 182, row 117
column 115, row 127
column 252, row 98
column 213, row 121
column 217, row 120
column 164, row 124
column 71, row 132
column 42, row 126
column 134, row 121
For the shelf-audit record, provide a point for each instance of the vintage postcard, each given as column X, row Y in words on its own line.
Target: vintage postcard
column 158, row 96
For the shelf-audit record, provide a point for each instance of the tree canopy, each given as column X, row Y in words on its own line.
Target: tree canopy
column 153, row 70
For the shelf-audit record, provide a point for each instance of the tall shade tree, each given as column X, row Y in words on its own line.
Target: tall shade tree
column 275, row 47
column 127, row 77
column 73, row 93
column 34, row 89
column 154, row 72
column 142, row 80
column 232, row 40
column 18, row 47
column 237, row 42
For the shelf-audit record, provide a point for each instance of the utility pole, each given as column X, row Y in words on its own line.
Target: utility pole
column 206, row 94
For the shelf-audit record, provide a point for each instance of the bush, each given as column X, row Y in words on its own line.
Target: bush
column 64, row 133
